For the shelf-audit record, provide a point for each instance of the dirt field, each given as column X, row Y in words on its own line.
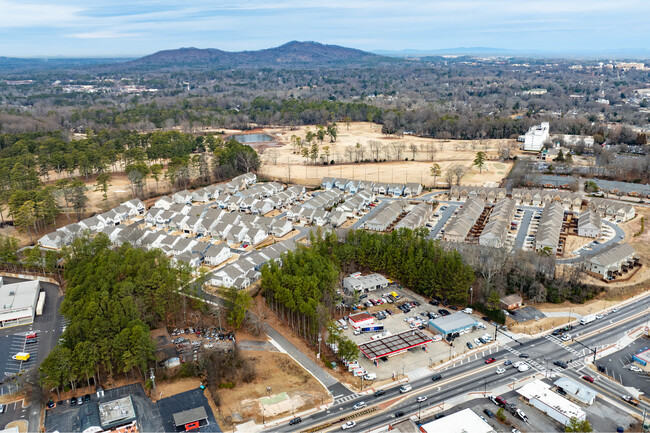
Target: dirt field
column 167, row 389
column 282, row 163
column 283, row 375
column 534, row 327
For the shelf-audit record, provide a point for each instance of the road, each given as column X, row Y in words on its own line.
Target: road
column 473, row 375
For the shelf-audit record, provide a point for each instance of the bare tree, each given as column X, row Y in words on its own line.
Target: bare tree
column 414, row 150
column 431, row 150
column 459, row 171
column 398, row 149
column 360, row 151
column 272, row 155
column 349, row 152
column 374, row 149
column 449, row 177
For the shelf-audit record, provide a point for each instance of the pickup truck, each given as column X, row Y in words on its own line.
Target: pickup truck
column 630, row 400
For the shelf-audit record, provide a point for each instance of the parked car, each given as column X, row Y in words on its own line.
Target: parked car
column 469, row 345
column 488, row 412
column 635, row 369
column 73, row 401
column 86, row 398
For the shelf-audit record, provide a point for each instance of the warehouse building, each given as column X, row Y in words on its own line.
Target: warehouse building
column 18, row 303
column 463, row 421
column 539, row 395
column 457, row 322
column 364, row 283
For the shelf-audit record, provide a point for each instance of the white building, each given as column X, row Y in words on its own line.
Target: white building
column 539, row 394
column 460, row 422
column 536, row 136
column 364, row 283
column 18, row 303
column 589, row 224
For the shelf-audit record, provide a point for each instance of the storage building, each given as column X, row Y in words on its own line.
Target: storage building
column 539, row 394
column 457, row 322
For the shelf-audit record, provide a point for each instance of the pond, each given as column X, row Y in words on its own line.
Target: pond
column 253, row 138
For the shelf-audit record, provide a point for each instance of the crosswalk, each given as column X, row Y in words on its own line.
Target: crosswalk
column 534, row 364
column 416, row 374
column 340, row 400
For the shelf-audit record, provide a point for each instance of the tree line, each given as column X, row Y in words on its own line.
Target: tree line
column 113, row 298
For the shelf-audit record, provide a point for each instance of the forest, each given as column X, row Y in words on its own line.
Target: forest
column 113, row 298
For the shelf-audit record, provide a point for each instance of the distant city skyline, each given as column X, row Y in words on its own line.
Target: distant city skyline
column 75, row 28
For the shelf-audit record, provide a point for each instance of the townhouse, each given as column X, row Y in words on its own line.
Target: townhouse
column 459, row 225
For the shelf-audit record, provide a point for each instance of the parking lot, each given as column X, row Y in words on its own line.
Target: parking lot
column 13, row 344
column 67, row 418
column 437, row 223
column 617, row 366
column 185, row 401
column 415, row 362
column 13, row 411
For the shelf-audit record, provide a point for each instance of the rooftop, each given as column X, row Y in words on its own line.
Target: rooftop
column 190, row 416
column 116, row 412
column 541, row 391
column 394, row 344
column 465, row 421
column 453, row 322
column 18, row 296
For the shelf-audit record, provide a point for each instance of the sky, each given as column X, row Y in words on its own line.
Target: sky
column 120, row 28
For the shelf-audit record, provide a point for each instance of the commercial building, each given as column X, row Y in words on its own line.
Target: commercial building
column 18, row 303
column 457, row 322
column 589, row 224
column 539, row 395
column 613, row 262
column 576, row 390
column 192, row 419
column 364, row 283
column 394, row 344
column 463, row 421
column 643, row 359
column 360, row 320
column 536, row 136
column 116, row 413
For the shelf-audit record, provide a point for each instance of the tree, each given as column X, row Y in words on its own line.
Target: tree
column 578, row 426
column 449, row 177
column 591, row 186
column 237, row 303
column 102, row 183
column 78, row 198
column 501, row 414
column 25, row 218
column 479, row 161
column 348, row 349
column 435, row 171
column 560, row 156
column 156, row 171
column 137, row 173
column 347, row 121
column 459, row 171
column 320, row 133
column 332, row 131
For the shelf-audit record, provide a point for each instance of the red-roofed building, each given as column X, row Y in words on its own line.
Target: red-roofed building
column 360, row 320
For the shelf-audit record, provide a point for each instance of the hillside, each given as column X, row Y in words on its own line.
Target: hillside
column 293, row 54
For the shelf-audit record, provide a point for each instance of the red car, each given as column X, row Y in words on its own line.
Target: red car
column 30, row 336
column 490, row 360
column 588, row 378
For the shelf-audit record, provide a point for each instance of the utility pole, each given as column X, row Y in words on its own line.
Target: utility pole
column 152, row 376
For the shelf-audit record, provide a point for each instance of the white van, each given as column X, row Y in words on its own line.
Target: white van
column 468, row 310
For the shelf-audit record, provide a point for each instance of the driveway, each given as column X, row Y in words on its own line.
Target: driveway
column 444, row 217
column 523, row 229
column 619, row 235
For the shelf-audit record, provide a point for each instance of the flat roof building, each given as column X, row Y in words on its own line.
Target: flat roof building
column 536, row 136
column 361, row 319
column 539, row 394
column 457, row 322
column 365, row 283
column 116, row 413
column 464, row 421
column 643, row 359
column 18, row 303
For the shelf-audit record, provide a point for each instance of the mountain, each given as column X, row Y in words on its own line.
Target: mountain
column 290, row 54
column 15, row 64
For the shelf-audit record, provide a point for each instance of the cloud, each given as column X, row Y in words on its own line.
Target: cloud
column 103, row 34
column 15, row 14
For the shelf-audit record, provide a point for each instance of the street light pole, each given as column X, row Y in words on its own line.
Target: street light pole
column 471, row 296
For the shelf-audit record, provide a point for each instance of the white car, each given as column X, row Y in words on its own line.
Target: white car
column 635, row 369
column 614, row 310
column 477, row 342
column 405, row 388
column 421, row 398
column 501, row 370
column 359, row 405
column 524, row 367
column 566, row 337
column 348, row 425
column 599, row 316
column 518, row 364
